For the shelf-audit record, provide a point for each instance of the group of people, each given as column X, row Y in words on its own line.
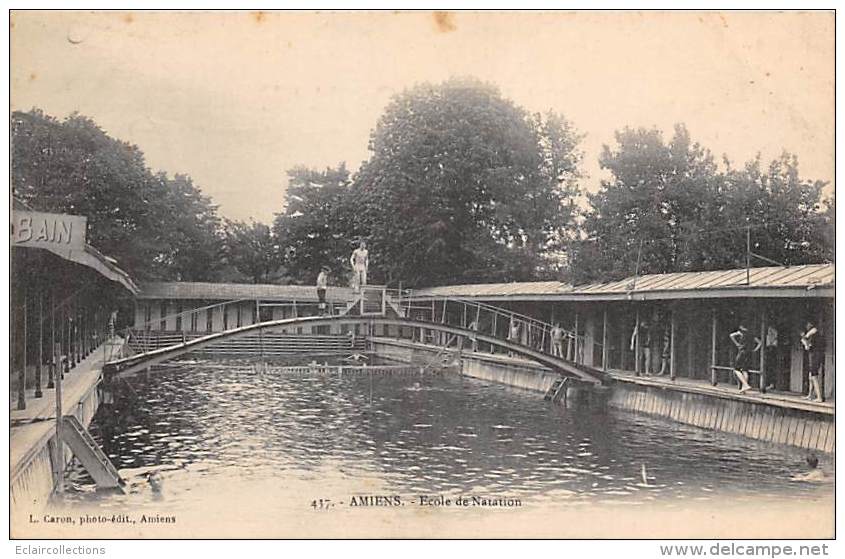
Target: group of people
column 644, row 335
column 360, row 261
column 812, row 344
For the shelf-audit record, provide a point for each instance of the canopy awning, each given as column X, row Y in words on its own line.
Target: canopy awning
column 95, row 260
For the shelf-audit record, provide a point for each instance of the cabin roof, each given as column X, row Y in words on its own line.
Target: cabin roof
column 811, row 280
column 231, row 291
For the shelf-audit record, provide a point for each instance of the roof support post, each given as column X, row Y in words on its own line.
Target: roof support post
column 604, row 348
column 637, row 343
column 673, row 346
column 713, row 378
column 40, row 369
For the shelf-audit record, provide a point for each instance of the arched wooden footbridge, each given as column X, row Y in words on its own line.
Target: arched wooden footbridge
column 475, row 322
column 567, row 368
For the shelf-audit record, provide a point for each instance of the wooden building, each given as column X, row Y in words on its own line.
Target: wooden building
column 689, row 316
column 198, row 307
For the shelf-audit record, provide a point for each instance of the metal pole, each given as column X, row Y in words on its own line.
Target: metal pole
column 747, row 255
column 40, row 369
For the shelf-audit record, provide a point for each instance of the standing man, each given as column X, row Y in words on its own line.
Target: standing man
column 360, row 261
column 770, row 347
column 643, row 332
column 557, row 340
column 322, row 284
column 813, row 343
column 513, row 333
column 740, row 340
column 473, row 338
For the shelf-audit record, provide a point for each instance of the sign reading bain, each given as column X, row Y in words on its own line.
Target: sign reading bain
column 43, row 230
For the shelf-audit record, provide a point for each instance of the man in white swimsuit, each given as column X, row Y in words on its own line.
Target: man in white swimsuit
column 360, row 261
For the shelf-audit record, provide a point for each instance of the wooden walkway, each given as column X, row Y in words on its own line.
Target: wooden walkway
column 32, row 427
column 726, row 390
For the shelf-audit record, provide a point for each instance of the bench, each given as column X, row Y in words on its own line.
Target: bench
column 715, row 369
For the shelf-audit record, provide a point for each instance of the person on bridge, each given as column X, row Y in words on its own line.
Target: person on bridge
column 740, row 340
column 360, row 261
column 513, row 333
column 557, row 340
column 322, row 284
column 473, row 338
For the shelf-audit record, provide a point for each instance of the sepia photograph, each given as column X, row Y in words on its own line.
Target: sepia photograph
column 371, row 274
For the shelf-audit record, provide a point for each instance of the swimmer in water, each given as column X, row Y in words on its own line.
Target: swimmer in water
column 815, row 474
column 156, row 483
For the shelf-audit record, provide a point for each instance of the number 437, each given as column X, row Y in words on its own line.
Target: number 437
column 321, row 504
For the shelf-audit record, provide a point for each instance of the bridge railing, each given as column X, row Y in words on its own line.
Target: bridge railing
column 496, row 321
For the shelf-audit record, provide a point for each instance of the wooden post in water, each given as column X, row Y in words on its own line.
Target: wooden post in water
column 713, row 377
column 604, row 349
column 39, row 371
column 673, row 334
column 763, row 352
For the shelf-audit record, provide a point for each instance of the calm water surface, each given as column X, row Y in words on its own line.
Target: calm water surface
column 217, row 430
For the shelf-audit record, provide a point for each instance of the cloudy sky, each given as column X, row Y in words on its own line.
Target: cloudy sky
column 234, row 99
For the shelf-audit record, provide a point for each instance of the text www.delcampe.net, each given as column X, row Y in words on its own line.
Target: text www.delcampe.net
column 744, row 550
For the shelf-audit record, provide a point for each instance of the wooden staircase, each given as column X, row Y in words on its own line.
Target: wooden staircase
column 557, row 390
column 86, row 450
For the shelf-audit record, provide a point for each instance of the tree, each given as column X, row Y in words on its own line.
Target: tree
column 253, row 250
column 317, row 222
column 670, row 208
column 193, row 241
column 462, row 185
column 157, row 228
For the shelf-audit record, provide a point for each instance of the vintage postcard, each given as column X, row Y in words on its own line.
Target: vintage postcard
column 415, row 274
